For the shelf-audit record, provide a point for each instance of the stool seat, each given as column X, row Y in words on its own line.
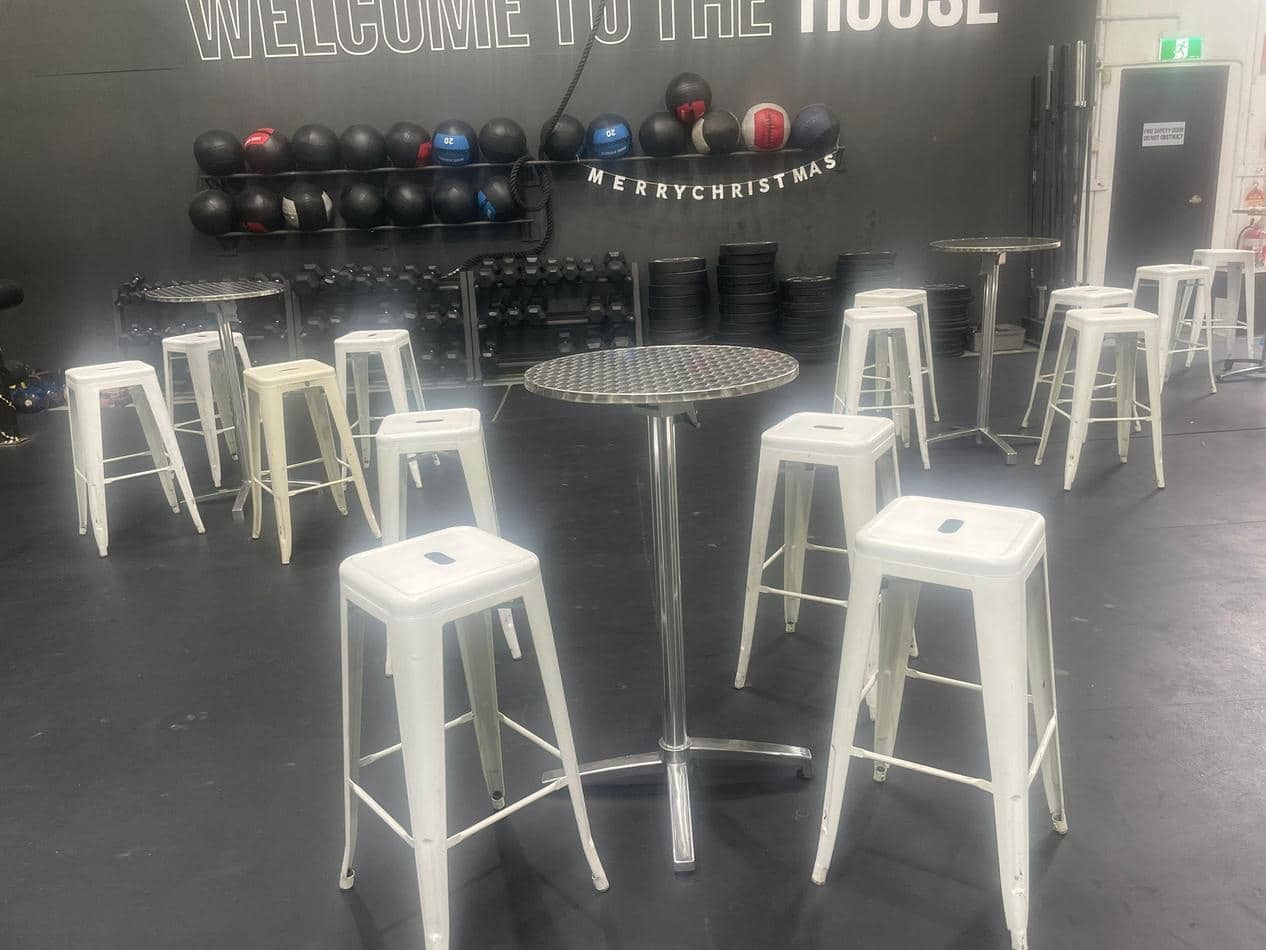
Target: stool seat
column 876, row 318
column 203, row 340
column 212, row 388
column 290, row 374
column 1093, row 296
column 1180, row 271
column 958, row 537
column 1240, row 267
column 1223, row 255
column 372, row 338
column 122, row 373
column 830, row 434
column 889, row 297
column 428, row 427
column 435, row 575
column 1113, row 319
column 916, row 300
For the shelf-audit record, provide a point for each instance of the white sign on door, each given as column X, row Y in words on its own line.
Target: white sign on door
column 1164, row 133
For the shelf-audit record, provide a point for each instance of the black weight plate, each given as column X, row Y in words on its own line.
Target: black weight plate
column 672, row 293
column 677, row 265
column 678, row 326
column 748, row 248
column 746, row 263
column 764, row 297
column 686, row 279
column 747, row 309
column 676, row 313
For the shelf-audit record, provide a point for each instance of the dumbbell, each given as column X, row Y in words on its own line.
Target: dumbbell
column 514, row 316
column 531, row 274
column 617, row 311
column 535, row 314
column 564, row 344
column 509, row 268
column 571, row 270
column 453, row 315
column 485, row 277
column 616, row 264
column 494, row 316
column 593, row 340
column 595, row 311
column 431, row 316
column 452, row 353
column 553, row 271
column 587, row 268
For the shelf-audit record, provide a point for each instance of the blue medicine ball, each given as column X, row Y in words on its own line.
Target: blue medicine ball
column 454, row 143
column 610, row 136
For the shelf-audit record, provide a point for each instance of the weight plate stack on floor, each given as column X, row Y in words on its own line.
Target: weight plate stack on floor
column 811, row 319
column 677, row 300
column 949, row 307
column 747, row 287
column 861, row 271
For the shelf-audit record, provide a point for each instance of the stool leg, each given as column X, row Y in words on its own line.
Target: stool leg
column 393, row 500
column 798, row 501
column 169, row 390
column 915, row 378
column 1042, row 687
column 1041, row 359
column 897, row 607
column 1153, row 358
column 353, row 668
column 1206, row 308
column 474, row 638
column 762, row 512
column 1166, row 304
column 204, row 398
column 1000, row 616
column 419, row 684
column 348, row 444
column 221, row 392
column 320, row 417
column 77, row 460
column 412, row 376
column 92, row 452
column 1190, row 293
column 478, row 477
column 154, row 440
column 925, row 324
column 393, row 367
column 1056, row 390
column 841, row 372
column 364, row 427
column 167, row 437
column 551, row 677
column 255, row 459
column 1127, row 370
column 1089, row 346
column 857, row 504
column 855, row 358
column 1249, row 276
column 859, row 628
column 273, row 411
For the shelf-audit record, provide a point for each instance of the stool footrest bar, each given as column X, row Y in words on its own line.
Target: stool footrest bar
column 459, row 837
column 530, row 736
column 983, row 784
column 765, row 589
column 943, row 680
column 772, row 558
column 1047, row 735
column 122, row 478
column 381, row 812
column 810, row 546
column 373, row 757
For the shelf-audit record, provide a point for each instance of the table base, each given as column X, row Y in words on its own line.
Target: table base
column 984, row 432
column 1255, row 366
column 676, row 762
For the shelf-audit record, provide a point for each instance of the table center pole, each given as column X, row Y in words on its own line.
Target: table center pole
column 225, row 312
column 988, row 328
column 661, row 429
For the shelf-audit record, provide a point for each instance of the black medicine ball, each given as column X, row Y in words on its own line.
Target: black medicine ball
column 408, row 145
column 362, row 206
column 259, row 209
column 567, row 140
column 363, row 147
column 662, row 135
column 268, row 152
column 717, row 133
column 408, row 204
column 610, row 136
column 815, row 129
column 454, row 201
column 306, row 207
column 315, row 148
column 219, row 153
column 211, row 211
column 502, row 140
column 496, row 202
column 689, row 97
column 454, row 143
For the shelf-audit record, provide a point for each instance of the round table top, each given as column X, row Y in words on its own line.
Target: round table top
column 213, row 291
column 996, row 245
column 661, row 375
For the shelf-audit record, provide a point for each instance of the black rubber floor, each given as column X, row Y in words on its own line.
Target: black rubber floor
column 170, row 725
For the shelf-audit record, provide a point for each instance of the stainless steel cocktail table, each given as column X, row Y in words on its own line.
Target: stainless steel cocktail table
column 664, row 382
column 220, row 297
column 993, row 252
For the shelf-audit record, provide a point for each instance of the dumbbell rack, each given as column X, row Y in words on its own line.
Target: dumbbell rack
column 433, row 307
column 527, row 311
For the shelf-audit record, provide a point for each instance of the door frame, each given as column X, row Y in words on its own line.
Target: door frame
column 1104, row 124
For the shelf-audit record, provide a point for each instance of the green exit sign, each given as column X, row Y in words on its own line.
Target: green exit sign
column 1174, row 48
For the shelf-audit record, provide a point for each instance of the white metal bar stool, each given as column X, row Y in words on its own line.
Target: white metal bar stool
column 1071, row 298
column 998, row 555
column 84, row 386
column 1176, row 286
column 916, row 300
column 407, row 434
column 415, row 587
column 203, row 355
column 882, row 324
column 1240, row 267
column 266, row 388
column 863, row 451
column 395, row 352
column 1130, row 327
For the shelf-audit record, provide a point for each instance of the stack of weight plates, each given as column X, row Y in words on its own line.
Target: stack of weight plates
column 677, row 308
column 748, row 291
column 864, row 271
column 948, row 310
column 811, row 318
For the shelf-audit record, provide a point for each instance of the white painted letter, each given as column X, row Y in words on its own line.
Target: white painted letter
column 874, row 13
column 699, row 12
column 402, row 28
column 270, row 22
column 748, row 24
column 945, row 12
column 216, row 18
column 457, row 20
column 905, row 21
column 975, row 16
column 357, row 28
column 506, row 37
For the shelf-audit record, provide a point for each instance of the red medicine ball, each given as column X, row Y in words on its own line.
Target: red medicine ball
column 766, row 127
column 268, row 152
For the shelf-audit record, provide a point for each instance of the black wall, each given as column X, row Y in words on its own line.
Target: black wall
column 101, row 102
